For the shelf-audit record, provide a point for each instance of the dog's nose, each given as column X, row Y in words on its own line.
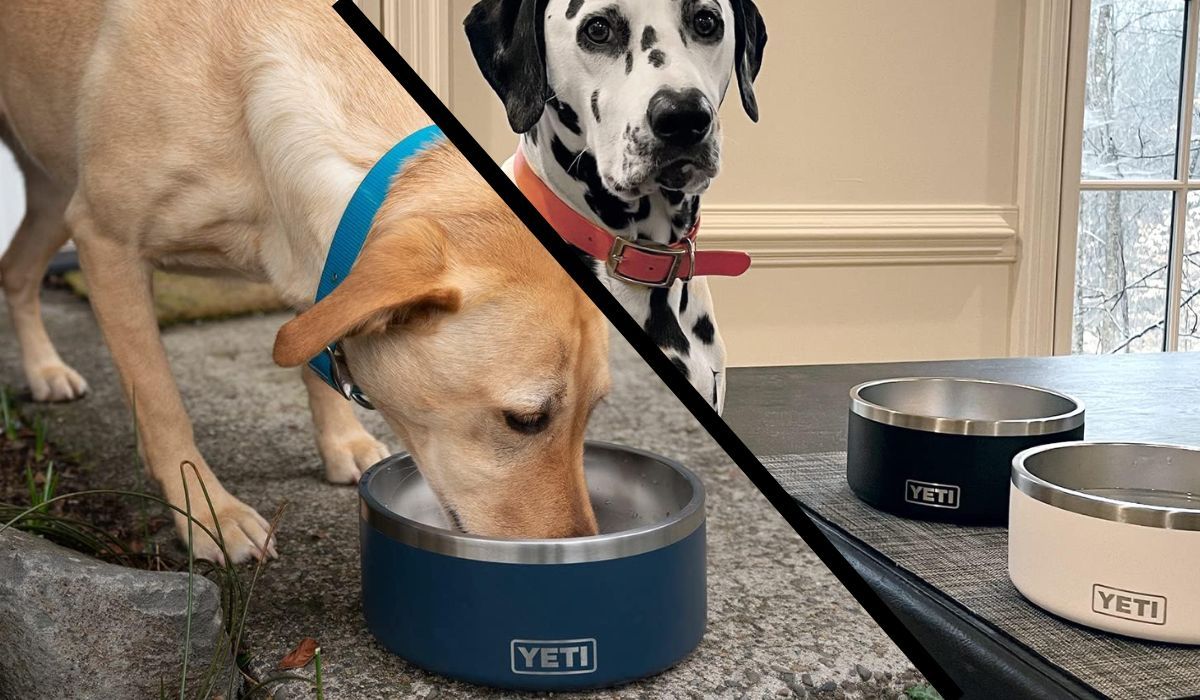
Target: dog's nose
column 680, row 118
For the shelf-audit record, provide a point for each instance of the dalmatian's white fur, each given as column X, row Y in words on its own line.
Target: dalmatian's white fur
column 586, row 83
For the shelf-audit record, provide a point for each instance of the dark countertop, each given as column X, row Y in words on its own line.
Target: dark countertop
column 802, row 410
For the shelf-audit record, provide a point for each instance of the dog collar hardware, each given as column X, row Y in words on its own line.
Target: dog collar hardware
column 637, row 262
column 347, row 243
column 675, row 258
column 339, row 376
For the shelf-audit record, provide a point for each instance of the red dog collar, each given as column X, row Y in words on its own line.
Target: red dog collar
column 638, row 262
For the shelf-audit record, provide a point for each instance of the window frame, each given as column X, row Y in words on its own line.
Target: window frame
column 1074, row 185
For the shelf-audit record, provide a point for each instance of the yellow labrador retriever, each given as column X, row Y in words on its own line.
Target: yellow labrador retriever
column 227, row 136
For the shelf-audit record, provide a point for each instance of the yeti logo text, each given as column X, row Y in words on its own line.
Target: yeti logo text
column 555, row 657
column 1129, row 605
column 933, row 495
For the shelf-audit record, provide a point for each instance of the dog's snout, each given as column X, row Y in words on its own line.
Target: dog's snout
column 680, row 118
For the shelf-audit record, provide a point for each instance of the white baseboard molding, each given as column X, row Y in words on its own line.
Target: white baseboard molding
column 805, row 236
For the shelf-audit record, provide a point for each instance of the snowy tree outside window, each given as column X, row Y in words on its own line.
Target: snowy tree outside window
column 1137, row 286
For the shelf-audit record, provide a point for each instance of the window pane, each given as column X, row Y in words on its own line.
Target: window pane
column 1189, row 314
column 1194, row 146
column 1121, row 271
column 1132, row 96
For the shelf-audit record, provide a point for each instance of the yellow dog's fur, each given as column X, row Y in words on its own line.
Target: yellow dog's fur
column 226, row 136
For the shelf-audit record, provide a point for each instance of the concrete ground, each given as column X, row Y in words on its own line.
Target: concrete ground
column 780, row 625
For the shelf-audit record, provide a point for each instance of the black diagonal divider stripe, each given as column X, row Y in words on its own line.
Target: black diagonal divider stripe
column 788, row 507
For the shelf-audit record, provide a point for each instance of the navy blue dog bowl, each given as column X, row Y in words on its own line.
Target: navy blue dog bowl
column 569, row 614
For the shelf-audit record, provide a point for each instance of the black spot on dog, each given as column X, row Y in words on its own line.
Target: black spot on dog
column 663, row 324
column 658, row 59
column 582, row 166
column 704, row 330
column 649, row 38
column 682, row 367
column 683, row 221
column 683, row 35
column 643, row 210
column 566, row 115
column 684, row 297
column 673, row 197
column 596, row 105
column 573, row 8
column 611, row 210
column 628, row 63
column 566, row 158
column 636, row 145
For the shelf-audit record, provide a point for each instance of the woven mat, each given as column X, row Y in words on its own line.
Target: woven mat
column 970, row 564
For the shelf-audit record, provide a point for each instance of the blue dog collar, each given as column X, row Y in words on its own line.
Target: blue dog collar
column 348, row 241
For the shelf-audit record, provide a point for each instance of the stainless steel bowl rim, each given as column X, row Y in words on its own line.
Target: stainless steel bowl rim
column 1023, row 427
column 1114, row 510
column 575, row 550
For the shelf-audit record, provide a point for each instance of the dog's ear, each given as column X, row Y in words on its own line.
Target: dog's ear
column 751, row 43
column 398, row 280
column 506, row 38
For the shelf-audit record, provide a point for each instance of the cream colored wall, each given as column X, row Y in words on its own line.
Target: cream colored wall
column 873, row 104
column 829, row 315
column 878, row 191
column 880, row 102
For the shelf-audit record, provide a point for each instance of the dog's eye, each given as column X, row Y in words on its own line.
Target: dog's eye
column 527, row 423
column 598, row 30
column 706, row 23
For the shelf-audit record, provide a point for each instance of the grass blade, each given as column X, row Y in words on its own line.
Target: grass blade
column 51, row 484
column 39, row 438
column 7, row 415
column 317, row 678
column 31, row 485
column 187, row 634
column 245, row 611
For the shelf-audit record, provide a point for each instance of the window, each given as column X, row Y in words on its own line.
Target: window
column 1137, row 235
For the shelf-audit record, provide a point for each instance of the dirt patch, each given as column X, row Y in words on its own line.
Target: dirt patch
column 119, row 529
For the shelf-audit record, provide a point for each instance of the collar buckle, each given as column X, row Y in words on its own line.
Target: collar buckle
column 339, row 376
column 617, row 255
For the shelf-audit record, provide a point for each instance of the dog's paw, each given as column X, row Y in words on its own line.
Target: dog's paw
column 346, row 457
column 246, row 534
column 55, row 383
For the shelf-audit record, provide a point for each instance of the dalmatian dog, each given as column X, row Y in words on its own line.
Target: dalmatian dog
column 616, row 103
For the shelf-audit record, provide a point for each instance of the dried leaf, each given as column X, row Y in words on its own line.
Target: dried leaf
column 300, row 656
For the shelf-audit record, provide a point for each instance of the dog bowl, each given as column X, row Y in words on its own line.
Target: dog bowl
column 941, row 449
column 1108, row 535
column 564, row 614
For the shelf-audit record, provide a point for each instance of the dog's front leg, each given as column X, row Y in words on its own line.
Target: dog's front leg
column 119, row 287
column 346, row 447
